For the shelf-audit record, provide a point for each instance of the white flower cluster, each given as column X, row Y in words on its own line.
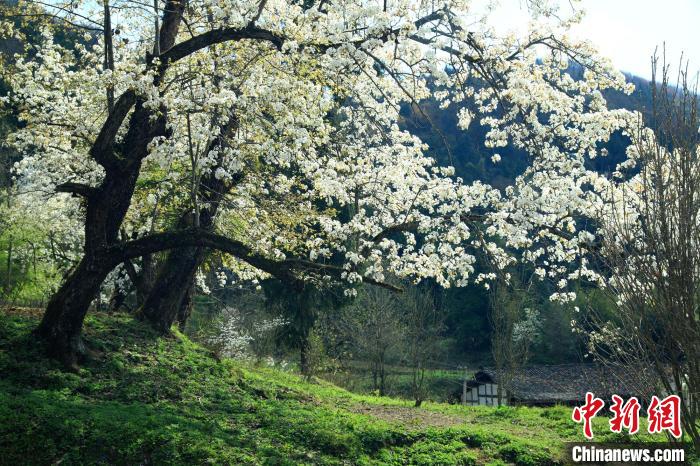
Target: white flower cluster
column 233, row 336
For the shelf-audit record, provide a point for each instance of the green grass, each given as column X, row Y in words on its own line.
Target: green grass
column 151, row 400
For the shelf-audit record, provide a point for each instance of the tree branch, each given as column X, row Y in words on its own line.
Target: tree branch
column 102, row 150
column 284, row 270
column 217, row 36
column 261, row 7
column 172, row 15
column 78, row 189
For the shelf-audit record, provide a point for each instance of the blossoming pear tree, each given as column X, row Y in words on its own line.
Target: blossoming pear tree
column 275, row 125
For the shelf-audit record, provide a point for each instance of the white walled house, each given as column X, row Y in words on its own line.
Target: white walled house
column 482, row 391
column 566, row 384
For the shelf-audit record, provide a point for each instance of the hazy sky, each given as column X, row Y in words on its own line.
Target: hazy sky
column 628, row 30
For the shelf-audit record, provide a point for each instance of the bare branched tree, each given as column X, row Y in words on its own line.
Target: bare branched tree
column 425, row 323
column 374, row 326
column 651, row 249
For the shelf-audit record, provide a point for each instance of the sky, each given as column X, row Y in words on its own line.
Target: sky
column 627, row 31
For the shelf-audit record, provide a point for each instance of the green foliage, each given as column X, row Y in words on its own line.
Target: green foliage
column 435, row 449
column 440, row 385
column 317, row 357
column 24, row 276
column 144, row 400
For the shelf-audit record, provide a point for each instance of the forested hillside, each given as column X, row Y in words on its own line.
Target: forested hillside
column 465, row 150
column 468, row 308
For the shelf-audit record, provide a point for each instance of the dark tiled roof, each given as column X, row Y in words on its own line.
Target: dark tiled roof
column 568, row 382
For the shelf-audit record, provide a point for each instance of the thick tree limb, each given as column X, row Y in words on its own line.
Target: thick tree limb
column 172, row 15
column 217, row 36
column 261, row 7
column 79, row 189
column 285, row 270
column 102, row 148
column 251, row 31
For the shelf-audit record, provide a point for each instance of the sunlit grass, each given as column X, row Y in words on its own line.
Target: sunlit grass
column 151, row 400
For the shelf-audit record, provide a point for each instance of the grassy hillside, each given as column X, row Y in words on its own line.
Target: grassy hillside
column 168, row 401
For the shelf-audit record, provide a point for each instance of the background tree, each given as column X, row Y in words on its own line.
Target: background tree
column 374, row 325
column 515, row 328
column 424, row 324
column 300, row 308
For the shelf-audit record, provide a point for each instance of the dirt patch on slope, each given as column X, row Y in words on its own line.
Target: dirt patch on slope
column 22, row 311
column 408, row 416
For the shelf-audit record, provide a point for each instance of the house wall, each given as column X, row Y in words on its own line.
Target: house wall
column 484, row 395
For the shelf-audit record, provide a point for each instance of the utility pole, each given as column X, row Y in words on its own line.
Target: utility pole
column 464, row 387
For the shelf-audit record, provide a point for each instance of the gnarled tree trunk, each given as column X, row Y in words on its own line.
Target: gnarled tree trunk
column 172, row 287
column 106, row 206
column 142, row 280
column 63, row 320
column 186, row 307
